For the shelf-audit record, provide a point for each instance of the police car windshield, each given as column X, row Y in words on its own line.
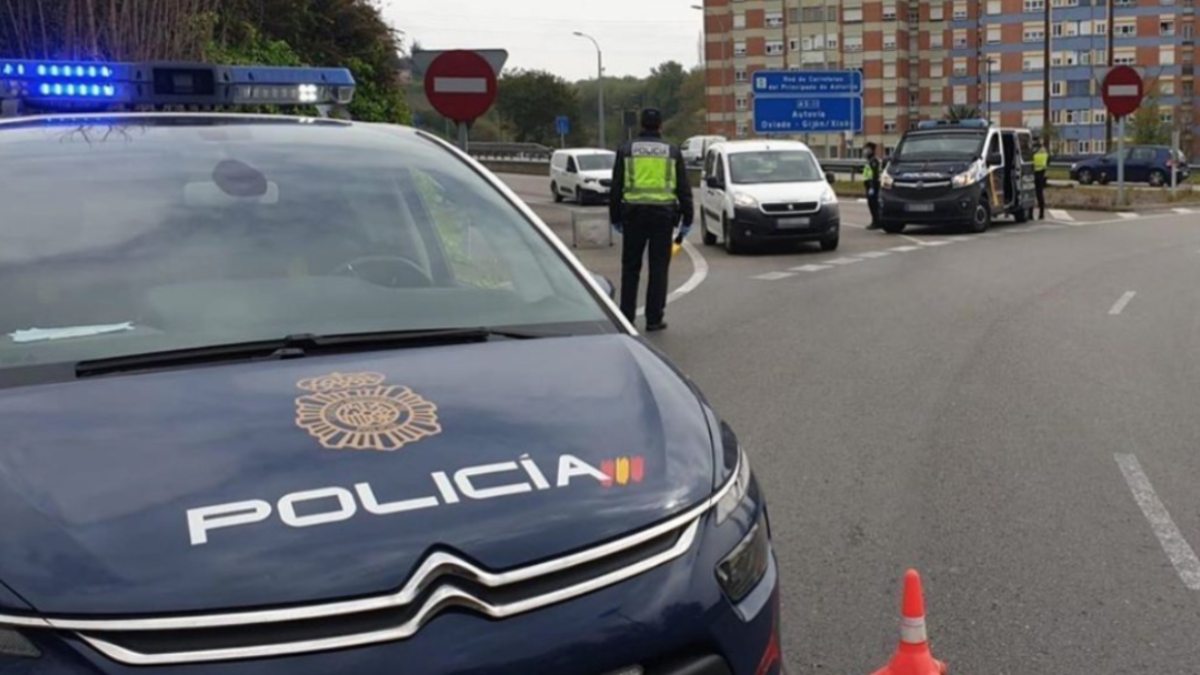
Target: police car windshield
column 950, row 146
column 161, row 233
column 774, row 166
column 597, row 162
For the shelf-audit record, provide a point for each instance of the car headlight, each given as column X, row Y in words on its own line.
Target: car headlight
column 746, row 564
column 1074, row 167
column 744, row 200
column 13, row 643
column 741, row 485
column 886, row 181
column 828, row 197
column 972, row 175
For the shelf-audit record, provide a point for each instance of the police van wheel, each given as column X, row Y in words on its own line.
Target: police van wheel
column 732, row 247
column 982, row 217
column 557, row 194
column 1023, row 215
column 893, row 227
column 709, row 238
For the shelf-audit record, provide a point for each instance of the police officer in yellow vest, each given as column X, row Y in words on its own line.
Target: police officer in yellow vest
column 871, row 173
column 1041, row 160
column 650, row 197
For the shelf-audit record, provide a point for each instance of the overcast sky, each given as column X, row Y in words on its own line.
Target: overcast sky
column 635, row 35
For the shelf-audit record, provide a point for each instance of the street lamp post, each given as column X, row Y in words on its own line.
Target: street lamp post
column 599, row 82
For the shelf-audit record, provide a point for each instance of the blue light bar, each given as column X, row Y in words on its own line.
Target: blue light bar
column 75, row 84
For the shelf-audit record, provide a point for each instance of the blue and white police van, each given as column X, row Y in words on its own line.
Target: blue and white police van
column 300, row 395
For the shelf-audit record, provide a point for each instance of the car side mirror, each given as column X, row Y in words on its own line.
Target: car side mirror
column 713, row 182
column 607, row 286
column 830, row 178
column 995, row 159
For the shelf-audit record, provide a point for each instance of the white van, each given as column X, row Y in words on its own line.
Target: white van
column 767, row 191
column 695, row 148
column 581, row 174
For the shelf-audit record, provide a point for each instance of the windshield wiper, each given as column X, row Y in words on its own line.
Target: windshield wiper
column 299, row 346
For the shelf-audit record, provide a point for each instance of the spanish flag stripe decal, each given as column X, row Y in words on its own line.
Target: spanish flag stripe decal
column 622, row 470
column 637, row 469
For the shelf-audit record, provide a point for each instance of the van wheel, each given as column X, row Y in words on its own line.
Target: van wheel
column 893, row 227
column 981, row 218
column 709, row 238
column 578, row 197
column 830, row 243
column 732, row 247
column 555, row 192
column 1085, row 177
column 1158, row 178
column 1023, row 215
column 1103, row 180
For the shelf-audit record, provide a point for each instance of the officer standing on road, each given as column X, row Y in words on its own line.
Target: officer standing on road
column 650, row 196
column 871, row 181
column 1041, row 160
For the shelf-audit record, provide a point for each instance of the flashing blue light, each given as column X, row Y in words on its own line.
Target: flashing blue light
column 79, row 70
column 54, row 71
column 109, row 90
column 44, row 89
column 105, row 71
column 41, row 70
column 96, row 90
column 20, row 68
column 70, row 90
column 58, row 90
column 91, row 71
column 8, row 69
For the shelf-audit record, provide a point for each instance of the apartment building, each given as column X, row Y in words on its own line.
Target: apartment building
column 919, row 57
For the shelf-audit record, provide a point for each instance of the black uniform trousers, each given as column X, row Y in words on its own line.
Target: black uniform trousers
column 872, row 189
column 646, row 228
column 1039, row 186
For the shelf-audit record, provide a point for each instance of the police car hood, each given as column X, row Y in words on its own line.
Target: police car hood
column 503, row 453
column 922, row 169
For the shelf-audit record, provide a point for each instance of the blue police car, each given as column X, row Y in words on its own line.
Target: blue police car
column 298, row 395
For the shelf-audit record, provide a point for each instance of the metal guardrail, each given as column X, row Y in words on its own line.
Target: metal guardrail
column 511, row 152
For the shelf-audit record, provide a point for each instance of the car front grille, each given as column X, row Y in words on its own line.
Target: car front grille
column 921, row 191
column 442, row 582
column 790, row 207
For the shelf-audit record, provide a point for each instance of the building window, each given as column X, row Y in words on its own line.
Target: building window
column 1034, row 33
column 937, row 12
column 774, row 47
column 739, row 75
column 993, row 65
column 889, row 71
column 937, row 69
column 1031, row 91
column 1101, row 28
column 1035, row 6
column 854, row 43
column 960, row 67
column 1125, row 56
column 815, row 15
column 994, row 92
column 960, row 39
column 794, row 45
column 960, row 11
column 1166, row 27
column 741, row 102
column 743, row 128
column 739, row 20
column 937, row 40
column 960, row 96
column 739, row 49
column 994, row 7
column 889, row 97
column 1032, row 62
column 1032, row 119
column 852, row 15
column 1125, row 27
column 1166, row 116
column 1058, row 88
column 1166, row 55
column 889, row 42
column 889, row 11
column 993, row 34
column 1064, row 3
column 889, row 126
column 1166, row 87
column 832, row 41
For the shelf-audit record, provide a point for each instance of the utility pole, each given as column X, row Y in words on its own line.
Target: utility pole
column 1112, row 31
column 599, row 82
column 1046, row 78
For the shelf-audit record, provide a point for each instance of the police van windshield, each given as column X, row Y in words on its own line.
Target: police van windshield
column 597, row 162
column 774, row 166
column 927, row 147
column 142, row 237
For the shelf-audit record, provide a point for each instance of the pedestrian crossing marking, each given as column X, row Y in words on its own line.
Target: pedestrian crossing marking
column 904, row 249
column 844, row 261
column 810, row 268
column 1059, row 214
column 873, row 254
column 774, row 276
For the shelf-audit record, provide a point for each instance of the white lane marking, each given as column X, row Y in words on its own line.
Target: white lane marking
column 1183, row 211
column 912, row 239
column 460, row 85
column 1178, row 551
column 939, row 242
column 1056, row 226
column 1126, row 215
column 699, row 274
column 873, row 254
column 1059, row 214
column 904, row 249
column 844, row 261
column 810, row 268
column 1119, row 306
column 773, row 276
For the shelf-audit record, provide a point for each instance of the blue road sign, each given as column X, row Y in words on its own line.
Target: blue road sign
column 562, row 125
column 808, row 82
column 795, row 114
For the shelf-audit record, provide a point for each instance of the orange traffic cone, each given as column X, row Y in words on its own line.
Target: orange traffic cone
column 913, row 657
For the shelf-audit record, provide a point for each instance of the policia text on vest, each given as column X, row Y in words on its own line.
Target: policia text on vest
column 650, row 196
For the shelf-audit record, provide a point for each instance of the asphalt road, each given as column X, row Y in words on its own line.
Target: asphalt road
column 1017, row 415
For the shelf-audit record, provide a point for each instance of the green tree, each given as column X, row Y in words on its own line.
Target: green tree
column 662, row 88
column 1146, row 126
column 689, row 120
column 530, row 100
column 957, row 113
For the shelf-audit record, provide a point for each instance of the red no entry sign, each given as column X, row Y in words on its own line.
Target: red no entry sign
column 1122, row 91
column 461, row 85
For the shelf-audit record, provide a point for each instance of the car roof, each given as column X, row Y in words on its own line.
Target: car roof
column 580, row 151
column 734, row 147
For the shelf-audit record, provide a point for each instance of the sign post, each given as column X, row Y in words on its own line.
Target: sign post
column 1123, row 91
column 1174, row 160
column 562, row 125
column 461, row 84
column 806, row 101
